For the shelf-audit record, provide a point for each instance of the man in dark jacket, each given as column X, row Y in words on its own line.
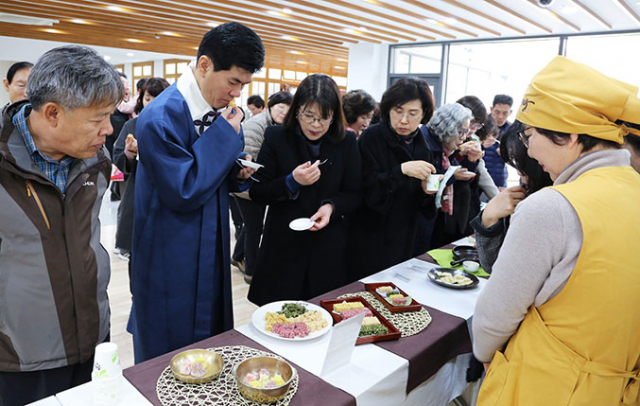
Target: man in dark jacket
column 54, row 272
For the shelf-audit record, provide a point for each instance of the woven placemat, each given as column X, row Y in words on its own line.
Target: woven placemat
column 409, row 323
column 221, row 391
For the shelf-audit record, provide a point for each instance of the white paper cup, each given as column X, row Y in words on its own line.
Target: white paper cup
column 433, row 183
column 106, row 378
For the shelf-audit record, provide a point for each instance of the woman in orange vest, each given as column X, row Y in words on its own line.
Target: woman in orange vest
column 559, row 320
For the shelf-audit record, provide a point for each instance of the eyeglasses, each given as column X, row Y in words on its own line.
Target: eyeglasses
column 524, row 138
column 309, row 119
column 463, row 132
column 476, row 125
column 399, row 114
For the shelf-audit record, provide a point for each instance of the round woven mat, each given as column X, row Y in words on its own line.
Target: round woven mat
column 220, row 391
column 409, row 323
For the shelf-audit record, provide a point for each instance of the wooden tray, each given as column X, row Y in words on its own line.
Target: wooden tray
column 393, row 333
column 414, row 306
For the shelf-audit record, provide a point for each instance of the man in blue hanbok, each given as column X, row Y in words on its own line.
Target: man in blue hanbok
column 189, row 141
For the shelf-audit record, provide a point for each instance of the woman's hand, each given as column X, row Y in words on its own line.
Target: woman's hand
column 246, row 172
column 503, row 205
column 472, row 150
column 307, row 174
column 430, row 192
column 417, row 169
column 131, row 147
column 322, row 217
column 461, row 175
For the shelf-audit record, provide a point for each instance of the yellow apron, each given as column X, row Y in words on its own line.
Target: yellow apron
column 583, row 346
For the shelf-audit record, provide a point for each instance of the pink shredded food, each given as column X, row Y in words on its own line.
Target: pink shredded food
column 347, row 314
column 298, row 329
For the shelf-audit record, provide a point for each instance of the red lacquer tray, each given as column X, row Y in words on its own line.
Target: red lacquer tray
column 414, row 306
column 393, row 333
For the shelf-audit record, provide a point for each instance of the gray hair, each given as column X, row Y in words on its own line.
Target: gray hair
column 448, row 120
column 74, row 76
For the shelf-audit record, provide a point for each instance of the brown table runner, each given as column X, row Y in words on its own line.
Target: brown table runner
column 311, row 390
column 446, row 337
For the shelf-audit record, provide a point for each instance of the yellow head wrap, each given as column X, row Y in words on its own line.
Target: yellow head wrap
column 573, row 98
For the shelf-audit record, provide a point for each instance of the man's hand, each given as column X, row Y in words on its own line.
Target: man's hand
column 322, row 217
column 246, row 172
column 234, row 117
column 502, row 205
column 417, row 169
column 131, row 147
column 461, row 175
column 307, row 174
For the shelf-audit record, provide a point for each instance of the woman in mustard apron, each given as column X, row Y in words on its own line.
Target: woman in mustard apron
column 559, row 320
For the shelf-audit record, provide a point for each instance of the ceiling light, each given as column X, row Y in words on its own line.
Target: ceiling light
column 170, row 34
column 342, row 60
column 431, row 21
column 129, row 53
column 296, row 52
column 116, row 8
column 450, row 20
column 339, row 67
column 213, row 24
column 106, row 57
column 289, row 38
column 25, row 20
column 363, row 28
column 137, row 41
column 287, row 10
column 53, row 31
column 302, row 62
column 78, row 21
column 277, row 13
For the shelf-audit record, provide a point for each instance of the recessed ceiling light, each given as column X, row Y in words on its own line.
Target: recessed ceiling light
column 53, row 31
column 213, row 24
column 296, row 52
column 276, row 13
column 339, row 67
column 129, row 53
column 450, row 20
column 137, row 41
column 106, row 57
column 287, row 10
column 302, row 62
column 169, row 33
column 431, row 21
column 363, row 28
column 342, row 60
column 116, row 8
column 78, row 21
column 289, row 38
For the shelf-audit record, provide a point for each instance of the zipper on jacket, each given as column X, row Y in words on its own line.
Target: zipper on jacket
column 32, row 191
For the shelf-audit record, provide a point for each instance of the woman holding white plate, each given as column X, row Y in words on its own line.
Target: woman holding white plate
column 312, row 171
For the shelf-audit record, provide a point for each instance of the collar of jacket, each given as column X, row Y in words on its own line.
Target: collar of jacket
column 394, row 141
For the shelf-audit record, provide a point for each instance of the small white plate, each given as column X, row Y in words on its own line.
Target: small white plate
column 250, row 164
column 258, row 321
column 301, row 224
column 469, row 173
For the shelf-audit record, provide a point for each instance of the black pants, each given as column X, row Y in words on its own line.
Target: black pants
column 253, row 217
column 20, row 388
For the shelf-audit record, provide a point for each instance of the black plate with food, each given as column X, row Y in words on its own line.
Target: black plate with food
column 453, row 278
column 465, row 252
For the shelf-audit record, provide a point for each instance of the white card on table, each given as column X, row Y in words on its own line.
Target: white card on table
column 341, row 344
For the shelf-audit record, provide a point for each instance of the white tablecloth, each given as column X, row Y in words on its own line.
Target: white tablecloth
column 50, row 401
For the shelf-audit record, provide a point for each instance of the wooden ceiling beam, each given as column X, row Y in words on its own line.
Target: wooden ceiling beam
column 518, row 15
column 486, row 16
column 630, row 10
column 449, row 15
column 556, row 15
column 592, row 13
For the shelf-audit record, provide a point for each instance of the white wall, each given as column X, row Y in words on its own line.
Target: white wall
column 4, row 95
column 368, row 68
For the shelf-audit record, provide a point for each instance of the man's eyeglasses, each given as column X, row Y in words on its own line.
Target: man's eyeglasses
column 309, row 119
column 524, row 138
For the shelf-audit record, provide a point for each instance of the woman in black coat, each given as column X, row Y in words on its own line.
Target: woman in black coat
column 311, row 170
column 396, row 163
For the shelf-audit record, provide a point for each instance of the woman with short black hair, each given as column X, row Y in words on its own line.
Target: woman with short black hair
column 396, row 164
column 311, row 170
column 358, row 107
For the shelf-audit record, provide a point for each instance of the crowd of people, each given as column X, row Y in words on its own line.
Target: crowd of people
column 556, row 320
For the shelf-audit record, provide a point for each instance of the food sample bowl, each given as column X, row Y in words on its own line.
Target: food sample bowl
column 213, row 365
column 273, row 366
column 470, row 266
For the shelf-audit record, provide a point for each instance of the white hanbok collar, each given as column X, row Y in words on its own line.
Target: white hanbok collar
column 188, row 87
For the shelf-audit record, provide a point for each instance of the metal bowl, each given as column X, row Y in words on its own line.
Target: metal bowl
column 273, row 365
column 213, row 365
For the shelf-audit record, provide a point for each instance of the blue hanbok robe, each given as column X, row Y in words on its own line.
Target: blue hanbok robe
column 180, row 277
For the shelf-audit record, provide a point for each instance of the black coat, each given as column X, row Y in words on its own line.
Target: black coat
column 384, row 229
column 303, row 264
column 124, row 232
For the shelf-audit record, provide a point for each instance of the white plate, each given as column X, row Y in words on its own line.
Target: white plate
column 250, row 164
column 301, row 224
column 259, row 322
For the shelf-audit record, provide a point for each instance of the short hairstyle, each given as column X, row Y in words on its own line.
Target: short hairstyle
column 140, row 84
column 280, row 97
column 357, row 103
column 476, row 106
column 448, row 120
column 18, row 66
column 73, row 76
column 153, row 86
column 233, row 44
column 488, row 129
column 587, row 141
column 256, row 100
column 634, row 141
column 318, row 89
column 514, row 153
column 405, row 90
column 502, row 99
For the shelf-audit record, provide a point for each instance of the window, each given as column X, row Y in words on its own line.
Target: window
column 141, row 70
column 119, row 68
column 417, row 59
column 173, row 69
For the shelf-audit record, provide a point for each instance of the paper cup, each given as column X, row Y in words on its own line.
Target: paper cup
column 433, row 183
column 106, row 378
